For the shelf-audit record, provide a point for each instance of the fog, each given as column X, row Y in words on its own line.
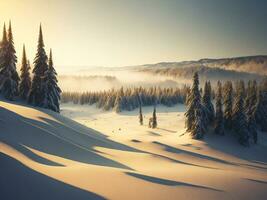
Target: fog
column 105, row 79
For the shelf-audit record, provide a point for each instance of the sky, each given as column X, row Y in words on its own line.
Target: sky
column 114, row 33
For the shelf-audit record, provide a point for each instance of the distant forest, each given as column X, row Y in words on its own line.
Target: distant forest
column 127, row 98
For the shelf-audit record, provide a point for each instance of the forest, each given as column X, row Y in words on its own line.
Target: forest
column 127, row 98
column 39, row 88
column 234, row 107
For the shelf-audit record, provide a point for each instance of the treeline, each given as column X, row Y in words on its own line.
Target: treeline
column 42, row 90
column 127, row 98
column 239, row 109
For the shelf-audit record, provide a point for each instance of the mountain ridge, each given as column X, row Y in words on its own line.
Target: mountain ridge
column 246, row 67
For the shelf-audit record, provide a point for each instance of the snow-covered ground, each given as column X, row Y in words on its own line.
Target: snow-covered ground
column 104, row 155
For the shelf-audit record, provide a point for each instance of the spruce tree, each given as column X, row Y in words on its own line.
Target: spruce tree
column 3, row 58
column 193, row 98
column 252, row 126
column 261, row 106
column 219, row 124
column 154, row 118
column 195, row 122
column 248, row 93
column 198, row 127
column 140, row 110
column 251, row 99
column 8, row 72
column 25, row 83
column 239, row 117
column 51, row 89
column 36, row 96
column 207, row 103
column 108, row 103
column 228, row 104
column 118, row 101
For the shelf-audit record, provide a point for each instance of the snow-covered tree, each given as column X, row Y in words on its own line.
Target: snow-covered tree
column 36, row 96
column 251, row 98
column 25, row 79
column 195, row 116
column 199, row 128
column 3, row 61
column 154, row 118
column 118, row 106
column 228, row 104
column 9, row 77
column 50, row 88
column 219, row 124
column 239, row 117
column 261, row 106
column 109, row 102
column 207, row 103
column 252, row 126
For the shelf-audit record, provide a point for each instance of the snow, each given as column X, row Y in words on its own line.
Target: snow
column 93, row 154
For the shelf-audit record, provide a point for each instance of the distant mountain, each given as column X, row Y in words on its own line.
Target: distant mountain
column 251, row 67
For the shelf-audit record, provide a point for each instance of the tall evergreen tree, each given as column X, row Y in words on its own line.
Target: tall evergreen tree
column 36, row 96
column 251, row 99
column 3, row 58
column 228, row 104
column 154, row 118
column 207, row 103
column 8, row 72
column 248, row 93
column 13, row 58
column 239, row 118
column 140, row 110
column 25, row 83
column 261, row 106
column 118, row 105
column 195, row 122
column 51, row 89
column 219, row 124
column 252, row 126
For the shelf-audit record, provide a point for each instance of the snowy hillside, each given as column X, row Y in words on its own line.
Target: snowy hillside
column 47, row 156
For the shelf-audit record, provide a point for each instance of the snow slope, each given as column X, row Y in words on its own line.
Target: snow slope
column 104, row 155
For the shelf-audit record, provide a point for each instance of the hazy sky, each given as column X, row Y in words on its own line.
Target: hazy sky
column 130, row 32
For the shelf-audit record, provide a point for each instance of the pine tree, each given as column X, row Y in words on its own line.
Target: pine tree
column 140, row 110
column 206, row 101
column 154, row 118
column 219, row 125
column 261, row 106
column 228, row 104
column 251, row 99
column 25, row 83
column 239, row 118
column 8, row 72
column 3, row 58
column 13, row 58
column 195, row 111
column 108, row 103
column 248, row 93
column 118, row 101
column 252, row 126
column 198, row 126
column 251, row 109
column 51, row 89
column 36, row 96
